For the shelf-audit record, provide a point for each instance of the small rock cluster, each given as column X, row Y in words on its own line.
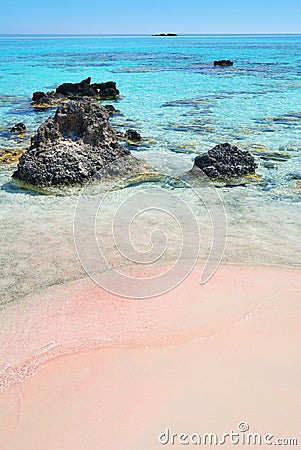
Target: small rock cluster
column 79, row 142
column 67, row 91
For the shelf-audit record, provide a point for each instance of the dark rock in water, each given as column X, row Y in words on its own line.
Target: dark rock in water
column 165, row 34
column 73, row 145
column 86, row 89
column 111, row 109
column 47, row 100
column 67, row 91
column 225, row 160
column 132, row 135
column 18, row 128
column 223, row 63
column 36, row 96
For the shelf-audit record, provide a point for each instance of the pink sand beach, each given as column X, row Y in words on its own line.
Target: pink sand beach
column 82, row 369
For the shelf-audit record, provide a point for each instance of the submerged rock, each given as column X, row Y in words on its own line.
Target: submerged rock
column 67, row 91
column 224, row 160
column 18, row 128
column 10, row 155
column 73, row 145
column 223, row 63
column 132, row 135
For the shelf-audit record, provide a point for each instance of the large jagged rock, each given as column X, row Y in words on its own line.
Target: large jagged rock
column 67, row 91
column 224, row 160
column 73, row 145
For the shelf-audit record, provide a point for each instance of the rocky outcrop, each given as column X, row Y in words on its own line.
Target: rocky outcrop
column 73, row 145
column 67, row 91
column 223, row 63
column 224, row 160
column 18, row 128
column 86, row 89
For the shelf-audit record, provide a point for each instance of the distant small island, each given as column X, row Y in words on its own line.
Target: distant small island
column 165, row 34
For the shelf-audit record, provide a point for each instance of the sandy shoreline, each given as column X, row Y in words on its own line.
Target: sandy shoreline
column 197, row 359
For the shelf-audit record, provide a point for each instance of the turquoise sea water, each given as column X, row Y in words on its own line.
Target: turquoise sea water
column 182, row 106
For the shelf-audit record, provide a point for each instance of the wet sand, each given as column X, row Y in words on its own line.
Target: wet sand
column 197, row 359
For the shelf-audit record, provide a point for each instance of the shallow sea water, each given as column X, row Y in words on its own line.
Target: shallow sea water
column 182, row 106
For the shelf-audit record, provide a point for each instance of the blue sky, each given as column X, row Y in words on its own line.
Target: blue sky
column 150, row 16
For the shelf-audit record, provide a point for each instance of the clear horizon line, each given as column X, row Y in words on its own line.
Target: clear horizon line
column 149, row 34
